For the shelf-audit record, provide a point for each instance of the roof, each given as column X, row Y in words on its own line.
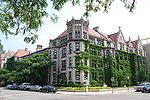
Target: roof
column 37, row 52
column 134, row 43
column 113, row 36
column 6, row 55
column 21, row 52
column 90, row 32
column 96, row 34
column 63, row 34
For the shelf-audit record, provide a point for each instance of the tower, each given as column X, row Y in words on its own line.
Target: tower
column 77, row 28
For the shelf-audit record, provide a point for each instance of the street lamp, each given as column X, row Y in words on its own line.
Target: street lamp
column 128, row 82
column 112, row 80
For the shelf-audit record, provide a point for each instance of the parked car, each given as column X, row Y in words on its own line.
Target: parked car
column 15, row 86
column 9, row 86
column 49, row 88
column 141, row 86
column 25, row 86
column 146, row 89
column 35, row 87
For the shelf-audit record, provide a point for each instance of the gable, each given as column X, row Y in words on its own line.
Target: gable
column 120, row 38
column 139, row 45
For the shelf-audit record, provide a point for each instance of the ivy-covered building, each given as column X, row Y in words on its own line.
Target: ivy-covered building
column 80, row 54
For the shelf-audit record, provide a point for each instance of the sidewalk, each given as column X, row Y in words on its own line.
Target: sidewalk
column 96, row 92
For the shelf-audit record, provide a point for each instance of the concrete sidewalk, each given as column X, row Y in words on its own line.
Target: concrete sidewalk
column 101, row 91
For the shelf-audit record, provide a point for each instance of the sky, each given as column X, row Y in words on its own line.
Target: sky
column 132, row 24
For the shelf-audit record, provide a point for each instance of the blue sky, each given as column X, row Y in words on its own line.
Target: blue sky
column 132, row 24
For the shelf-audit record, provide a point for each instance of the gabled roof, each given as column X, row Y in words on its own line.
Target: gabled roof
column 127, row 43
column 114, row 36
column 96, row 34
column 90, row 32
column 63, row 34
column 134, row 43
column 21, row 52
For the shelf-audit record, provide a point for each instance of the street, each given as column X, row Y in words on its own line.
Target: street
column 27, row 95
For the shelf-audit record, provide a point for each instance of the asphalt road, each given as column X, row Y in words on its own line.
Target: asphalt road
column 27, row 95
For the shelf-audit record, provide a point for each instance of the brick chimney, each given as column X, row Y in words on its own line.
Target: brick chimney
column 26, row 49
column 96, row 29
column 39, row 47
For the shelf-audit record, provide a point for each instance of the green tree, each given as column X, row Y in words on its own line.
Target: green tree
column 11, row 64
column 1, row 48
column 33, row 69
column 25, row 16
column 4, row 76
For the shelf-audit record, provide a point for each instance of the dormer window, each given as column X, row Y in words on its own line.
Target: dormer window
column 108, row 44
column 85, row 35
column 54, row 43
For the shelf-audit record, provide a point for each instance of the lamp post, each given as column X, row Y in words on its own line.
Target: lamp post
column 87, row 83
column 128, row 82
column 112, row 80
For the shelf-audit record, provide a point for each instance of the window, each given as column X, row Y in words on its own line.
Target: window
column 108, row 44
column 121, row 46
column 131, row 50
column 63, row 64
column 55, row 54
column 140, row 52
column 94, row 65
column 70, row 35
column 99, row 42
column 54, row 43
column 69, row 75
column 77, row 46
column 63, row 40
column 77, row 34
column 85, row 75
column 85, row 35
column 54, row 77
column 54, row 65
column 107, row 53
column 85, row 61
column 63, row 76
column 99, row 52
column 70, row 48
column 63, row 52
column 77, row 62
column 92, row 40
column 70, row 61
column 77, row 75
column 93, row 76
column 50, row 54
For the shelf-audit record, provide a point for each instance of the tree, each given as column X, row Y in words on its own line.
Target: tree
column 33, row 69
column 25, row 16
column 1, row 48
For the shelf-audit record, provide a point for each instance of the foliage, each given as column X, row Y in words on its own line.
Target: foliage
column 4, row 75
column 1, row 48
column 31, row 70
column 142, row 69
column 25, row 16
column 134, row 68
column 126, row 68
column 110, row 67
column 83, row 88
column 123, row 66
column 11, row 64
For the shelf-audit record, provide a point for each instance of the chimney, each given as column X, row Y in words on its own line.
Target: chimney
column 26, row 49
column 39, row 47
column 96, row 29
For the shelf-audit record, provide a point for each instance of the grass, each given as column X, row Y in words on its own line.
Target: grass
column 83, row 88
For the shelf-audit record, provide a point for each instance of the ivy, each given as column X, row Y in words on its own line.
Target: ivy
column 126, row 68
